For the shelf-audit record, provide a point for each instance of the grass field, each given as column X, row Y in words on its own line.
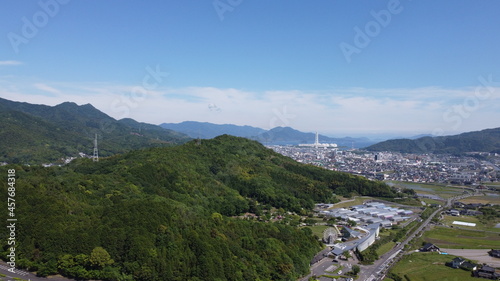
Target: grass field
column 490, row 226
column 318, row 229
column 429, row 267
column 385, row 248
column 358, row 200
column 461, row 239
column 387, row 232
column 482, row 199
column 431, row 201
column 442, row 191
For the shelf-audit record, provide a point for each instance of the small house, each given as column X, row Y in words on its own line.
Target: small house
column 429, row 247
column 468, row 266
column 456, row 262
column 487, row 272
column 494, row 253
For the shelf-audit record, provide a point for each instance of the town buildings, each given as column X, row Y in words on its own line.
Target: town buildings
column 425, row 168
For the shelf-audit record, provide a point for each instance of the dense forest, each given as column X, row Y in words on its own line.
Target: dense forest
column 36, row 134
column 168, row 213
column 485, row 141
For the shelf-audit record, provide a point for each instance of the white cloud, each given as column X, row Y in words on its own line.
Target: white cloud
column 10, row 62
column 336, row 112
column 46, row 88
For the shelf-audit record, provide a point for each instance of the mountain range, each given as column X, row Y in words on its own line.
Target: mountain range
column 33, row 133
column 38, row 134
column 278, row 135
column 478, row 141
column 485, row 141
column 205, row 130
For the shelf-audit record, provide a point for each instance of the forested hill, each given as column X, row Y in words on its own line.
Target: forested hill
column 166, row 213
column 484, row 141
column 35, row 134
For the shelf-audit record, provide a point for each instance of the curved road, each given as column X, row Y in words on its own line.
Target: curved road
column 23, row 275
column 375, row 271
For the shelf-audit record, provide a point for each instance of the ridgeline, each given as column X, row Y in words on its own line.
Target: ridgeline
column 36, row 134
column 166, row 213
column 479, row 141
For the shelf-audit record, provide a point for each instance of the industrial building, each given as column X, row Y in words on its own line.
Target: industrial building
column 371, row 213
column 317, row 144
column 371, row 233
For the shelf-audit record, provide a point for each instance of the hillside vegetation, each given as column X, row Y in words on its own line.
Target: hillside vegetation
column 483, row 141
column 165, row 213
column 35, row 134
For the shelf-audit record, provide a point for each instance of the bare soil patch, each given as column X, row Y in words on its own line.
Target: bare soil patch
column 479, row 255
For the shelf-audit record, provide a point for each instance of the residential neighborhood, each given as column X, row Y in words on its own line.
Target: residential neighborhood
column 473, row 169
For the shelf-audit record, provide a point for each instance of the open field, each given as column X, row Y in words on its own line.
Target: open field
column 385, row 248
column 430, row 267
column 387, row 232
column 440, row 190
column 318, row 229
column 476, row 255
column 358, row 200
column 490, row 226
column 446, row 237
column 494, row 198
column 431, row 201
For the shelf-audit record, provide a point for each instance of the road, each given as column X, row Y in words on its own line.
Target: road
column 23, row 275
column 492, row 165
column 479, row 255
column 378, row 269
column 372, row 272
column 382, row 265
column 319, row 268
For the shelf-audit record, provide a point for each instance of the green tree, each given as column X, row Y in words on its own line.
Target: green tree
column 66, row 262
column 217, row 217
column 99, row 258
column 310, row 221
column 331, row 221
column 355, row 270
column 346, row 254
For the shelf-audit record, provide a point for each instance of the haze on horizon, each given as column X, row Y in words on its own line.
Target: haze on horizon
column 364, row 68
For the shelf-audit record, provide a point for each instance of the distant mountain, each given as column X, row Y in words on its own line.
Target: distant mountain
column 419, row 136
column 206, row 130
column 287, row 135
column 485, row 141
column 278, row 135
column 290, row 136
column 33, row 133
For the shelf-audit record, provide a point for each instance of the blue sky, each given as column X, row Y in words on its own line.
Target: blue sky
column 358, row 68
